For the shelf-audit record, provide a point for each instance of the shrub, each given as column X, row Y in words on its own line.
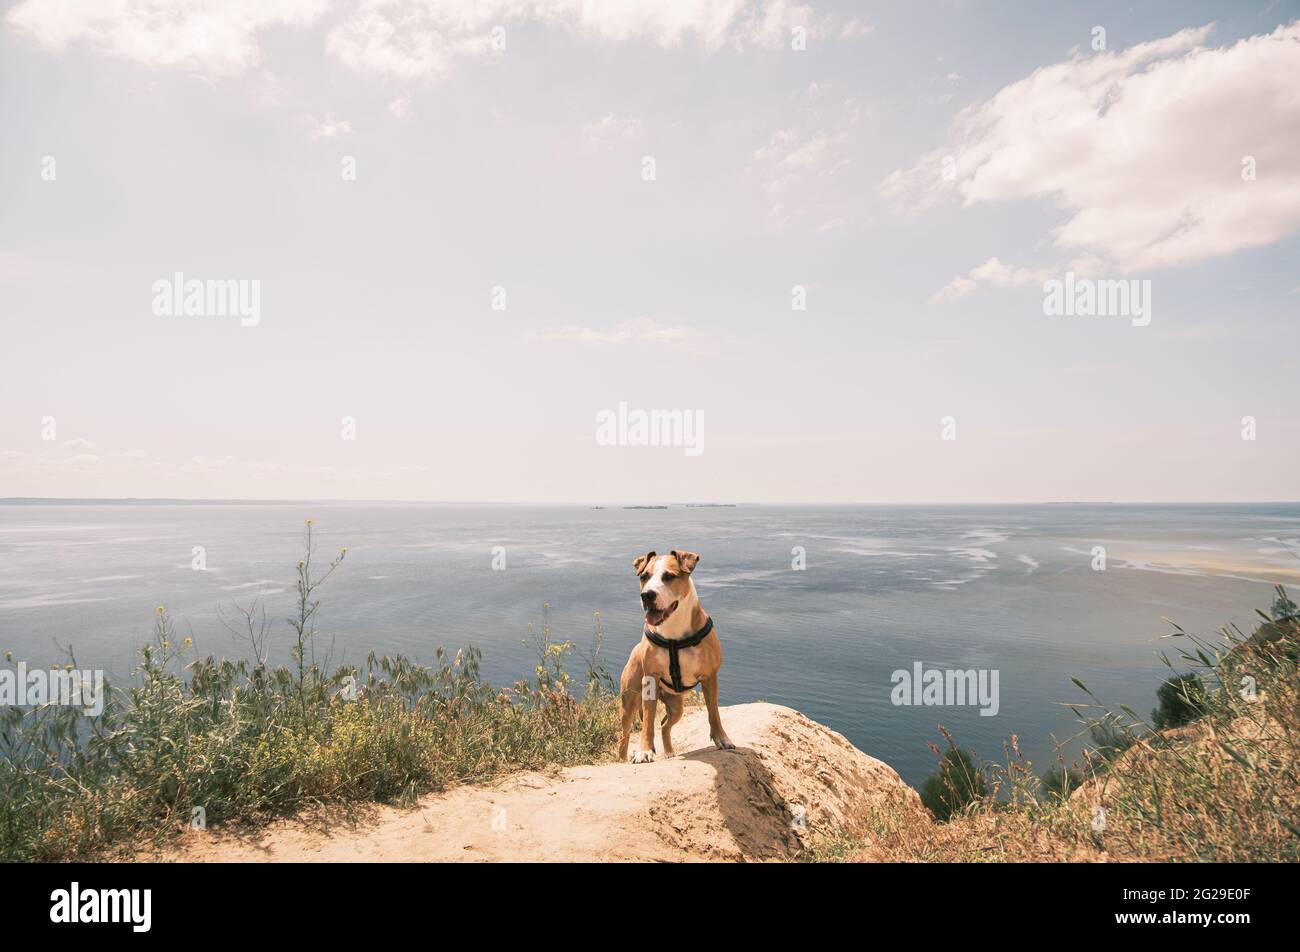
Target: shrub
column 1284, row 609
column 954, row 786
column 1108, row 740
column 1181, row 700
column 1060, row 781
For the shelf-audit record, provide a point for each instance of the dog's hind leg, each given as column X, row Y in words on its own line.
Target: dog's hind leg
column 631, row 704
column 673, row 705
column 629, row 686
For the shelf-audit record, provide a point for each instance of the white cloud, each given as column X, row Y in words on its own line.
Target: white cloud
column 790, row 156
column 993, row 272
column 770, row 24
column 205, row 37
column 77, row 444
column 611, row 128
column 429, row 38
column 327, row 127
column 401, row 106
column 1143, row 149
column 643, row 330
column 958, row 287
column 795, row 162
column 410, row 39
column 855, row 28
column 268, row 89
column 403, row 39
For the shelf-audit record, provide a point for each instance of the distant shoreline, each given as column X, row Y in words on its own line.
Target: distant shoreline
column 165, row 501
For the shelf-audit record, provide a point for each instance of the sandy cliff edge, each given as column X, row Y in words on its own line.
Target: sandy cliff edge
column 789, row 783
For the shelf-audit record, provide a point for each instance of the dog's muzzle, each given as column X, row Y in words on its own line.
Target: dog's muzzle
column 655, row 616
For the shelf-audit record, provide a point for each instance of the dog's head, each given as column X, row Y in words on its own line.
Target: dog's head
column 665, row 583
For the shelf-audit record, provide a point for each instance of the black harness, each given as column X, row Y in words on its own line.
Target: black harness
column 674, row 645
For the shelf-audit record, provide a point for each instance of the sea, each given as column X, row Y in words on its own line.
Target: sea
column 818, row 607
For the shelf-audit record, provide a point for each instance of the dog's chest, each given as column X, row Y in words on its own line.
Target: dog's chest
column 694, row 665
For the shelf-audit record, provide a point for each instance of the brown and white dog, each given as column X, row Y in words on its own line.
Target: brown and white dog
column 672, row 614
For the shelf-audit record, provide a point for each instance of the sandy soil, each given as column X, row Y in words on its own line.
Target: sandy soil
column 1281, row 569
column 789, row 781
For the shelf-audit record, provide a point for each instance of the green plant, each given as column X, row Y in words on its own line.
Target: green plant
column 599, row 678
column 1283, row 609
column 1060, row 781
column 304, row 625
column 1181, row 700
column 549, row 670
column 1108, row 740
column 954, row 786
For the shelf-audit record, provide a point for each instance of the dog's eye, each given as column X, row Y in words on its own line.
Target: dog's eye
column 668, row 578
column 645, row 577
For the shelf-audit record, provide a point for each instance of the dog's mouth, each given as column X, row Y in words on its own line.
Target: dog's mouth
column 654, row 617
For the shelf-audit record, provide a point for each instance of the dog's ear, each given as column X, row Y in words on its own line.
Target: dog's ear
column 641, row 561
column 687, row 560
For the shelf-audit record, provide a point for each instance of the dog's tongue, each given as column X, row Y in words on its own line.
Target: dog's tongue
column 657, row 616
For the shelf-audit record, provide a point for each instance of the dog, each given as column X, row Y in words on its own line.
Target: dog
column 679, row 648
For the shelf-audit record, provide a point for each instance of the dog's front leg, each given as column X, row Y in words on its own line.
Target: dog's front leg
column 716, row 732
column 673, row 706
column 648, row 706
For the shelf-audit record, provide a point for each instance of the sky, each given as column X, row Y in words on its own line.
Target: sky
column 821, row 234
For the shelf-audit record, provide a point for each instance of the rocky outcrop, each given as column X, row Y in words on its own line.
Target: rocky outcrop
column 790, row 783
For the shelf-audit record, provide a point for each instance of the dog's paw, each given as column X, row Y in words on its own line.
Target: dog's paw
column 643, row 757
column 724, row 743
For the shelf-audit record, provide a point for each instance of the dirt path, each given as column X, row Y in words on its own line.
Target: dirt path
column 790, row 779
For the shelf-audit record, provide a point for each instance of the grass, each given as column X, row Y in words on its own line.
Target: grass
column 1224, row 787
column 245, row 739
